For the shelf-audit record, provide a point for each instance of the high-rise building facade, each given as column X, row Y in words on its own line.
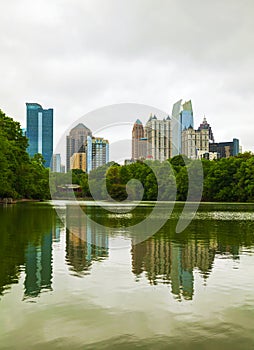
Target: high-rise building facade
column 78, row 161
column 194, row 142
column 75, row 141
column 225, row 149
column 62, row 168
column 137, row 134
column 97, row 151
column 176, row 128
column 182, row 118
column 205, row 126
column 56, row 163
column 207, row 155
column 158, row 133
column 142, row 148
column 187, row 115
column 39, row 131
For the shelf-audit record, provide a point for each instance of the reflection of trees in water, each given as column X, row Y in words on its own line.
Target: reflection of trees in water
column 171, row 258
column 26, row 240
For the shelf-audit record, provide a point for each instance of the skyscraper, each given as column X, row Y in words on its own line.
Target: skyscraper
column 176, row 128
column 182, row 118
column 56, row 163
column 186, row 115
column 158, row 134
column 137, row 134
column 142, row 148
column 225, row 149
column 39, row 131
column 97, row 150
column 75, row 142
column 78, row 161
column 194, row 142
column 205, row 126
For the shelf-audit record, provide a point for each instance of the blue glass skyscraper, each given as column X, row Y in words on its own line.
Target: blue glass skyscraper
column 39, row 131
column 186, row 114
column 182, row 118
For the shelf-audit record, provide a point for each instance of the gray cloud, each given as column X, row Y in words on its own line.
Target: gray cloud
column 76, row 56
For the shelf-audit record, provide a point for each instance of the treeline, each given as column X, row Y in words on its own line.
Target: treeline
column 20, row 175
column 224, row 180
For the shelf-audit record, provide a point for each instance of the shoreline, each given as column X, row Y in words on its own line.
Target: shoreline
column 8, row 201
column 15, row 201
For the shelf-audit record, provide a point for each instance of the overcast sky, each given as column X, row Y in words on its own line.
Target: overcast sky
column 79, row 55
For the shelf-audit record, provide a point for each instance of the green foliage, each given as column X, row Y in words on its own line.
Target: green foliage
column 227, row 179
column 20, row 176
column 180, row 160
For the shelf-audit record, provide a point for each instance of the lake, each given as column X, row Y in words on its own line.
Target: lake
column 69, row 283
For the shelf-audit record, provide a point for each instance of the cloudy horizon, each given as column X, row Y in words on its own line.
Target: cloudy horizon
column 78, row 56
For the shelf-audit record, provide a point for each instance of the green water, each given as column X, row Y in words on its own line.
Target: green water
column 89, row 288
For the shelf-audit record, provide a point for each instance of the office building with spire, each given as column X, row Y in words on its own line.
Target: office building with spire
column 206, row 126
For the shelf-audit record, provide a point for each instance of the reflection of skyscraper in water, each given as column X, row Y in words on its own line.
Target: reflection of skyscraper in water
column 181, row 275
column 205, row 254
column 38, row 266
column 167, row 261
column 162, row 261
column 57, row 226
column 152, row 256
column 84, row 244
column 57, row 234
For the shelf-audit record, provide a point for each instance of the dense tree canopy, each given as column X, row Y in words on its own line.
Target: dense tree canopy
column 227, row 179
column 20, row 175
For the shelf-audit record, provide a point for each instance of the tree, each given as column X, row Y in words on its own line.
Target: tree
column 20, row 176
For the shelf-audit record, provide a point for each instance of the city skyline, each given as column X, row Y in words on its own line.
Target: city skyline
column 159, row 139
column 193, row 124
column 185, row 115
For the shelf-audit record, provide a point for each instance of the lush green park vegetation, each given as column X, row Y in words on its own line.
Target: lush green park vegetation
column 228, row 179
column 20, row 175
